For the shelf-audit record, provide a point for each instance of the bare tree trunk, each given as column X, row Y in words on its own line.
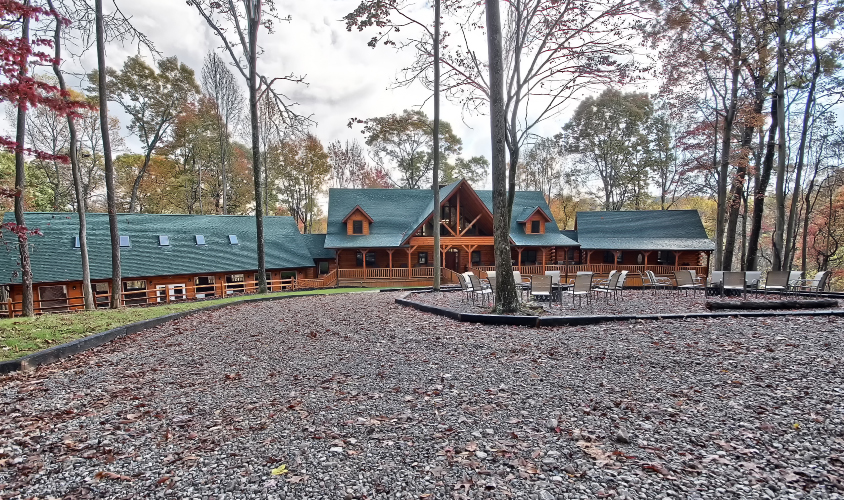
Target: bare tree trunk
column 436, row 183
column 111, row 201
column 87, row 293
column 133, row 199
column 760, row 192
column 723, row 235
column 254, row 22
column 28, row 304
column 791, row 236
column 719, row 249
column 779, row 228
column 507, row 301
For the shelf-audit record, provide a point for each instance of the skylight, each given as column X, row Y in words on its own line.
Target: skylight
column 233, row 239
column 163, row 240
column 200, row 239
column 76, row 242
column 124, row 241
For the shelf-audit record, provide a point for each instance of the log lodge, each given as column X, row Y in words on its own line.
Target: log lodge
column 374, row 238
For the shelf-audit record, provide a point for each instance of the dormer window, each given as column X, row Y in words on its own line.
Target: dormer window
column 357, row 221
column 534, row 226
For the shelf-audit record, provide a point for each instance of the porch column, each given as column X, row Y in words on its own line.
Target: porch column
column 646, row 254
column 363, row 257
column 390, row 253
column 676, row 260
column 519, row 261
column 589, row 257
column 616, row 253
column 543, row 259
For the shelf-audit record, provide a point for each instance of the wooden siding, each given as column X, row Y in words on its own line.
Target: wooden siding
column 357, row 215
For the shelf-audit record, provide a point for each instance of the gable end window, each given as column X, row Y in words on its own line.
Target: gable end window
column 357, row 227
column 534, row 227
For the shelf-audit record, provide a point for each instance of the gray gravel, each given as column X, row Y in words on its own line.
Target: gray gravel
column 360, row 398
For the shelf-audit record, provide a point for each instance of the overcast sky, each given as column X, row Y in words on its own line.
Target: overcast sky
column 345, row 77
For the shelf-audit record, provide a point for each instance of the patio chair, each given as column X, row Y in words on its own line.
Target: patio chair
column 619, row 286
column 647, row 282
column 794, row 277
column 521, row 286
column 777, row 281
column 604, row 281
column 608, row 288
column 684, row 281
column 815, row 285
column 478, row 289
column 465, row 284
column 555, row 280
column 582, row 287
column 491, row 280
column 734, row 280
column 540, row 286
column 753, row 280
column 713, row 285
column 659, row 282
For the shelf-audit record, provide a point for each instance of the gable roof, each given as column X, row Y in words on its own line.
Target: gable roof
column 528, row 212
column 54, row 257
column 525, row 201
column 642, row 230
column 394, row 211
column 357, row 209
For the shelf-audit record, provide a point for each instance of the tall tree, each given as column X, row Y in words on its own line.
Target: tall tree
column 244, row 19
column 608, row 136
column 219, row 83
column 22, row 91
column 153, row 101
column 779, row 225
column 506, row 299
column 305, row 171
column 87, row 292
column 435, row 185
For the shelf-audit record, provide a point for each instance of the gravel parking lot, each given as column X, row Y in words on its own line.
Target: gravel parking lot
column 352, row 396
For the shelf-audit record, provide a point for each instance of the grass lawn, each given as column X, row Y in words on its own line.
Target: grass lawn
column 22, row 336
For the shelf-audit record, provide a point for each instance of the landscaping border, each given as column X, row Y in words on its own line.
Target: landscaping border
column 76, row 346
column 541, row 321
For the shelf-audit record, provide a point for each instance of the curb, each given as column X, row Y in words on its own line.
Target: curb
column 76, row 346
column 550, row 321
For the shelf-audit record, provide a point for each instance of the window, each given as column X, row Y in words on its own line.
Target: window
column 135, row 292
column 163, row 240
column 234, row 283
column 534, row 227
column 423, row 258
column 233, row 239
column 124, row 241
column 101, row 294
column 359, row 259
column 200, row 239
column 205, row 286
column 53, row 298
column 323, row 267
column 357, row 227
column 529, row 258
column 476, row 257
column 76, row 242
column 370, row 259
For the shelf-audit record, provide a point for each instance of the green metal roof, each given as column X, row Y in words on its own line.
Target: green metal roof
column 642, row 230
column 397, row 213
column 54, row 257
column 316, row 245
column 528, row 202
column 394, row 212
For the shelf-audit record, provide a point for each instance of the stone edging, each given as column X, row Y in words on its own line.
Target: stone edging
column 55, row 353
column 540, row 321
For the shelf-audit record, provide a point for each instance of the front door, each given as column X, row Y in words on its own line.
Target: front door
column 451, row 260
